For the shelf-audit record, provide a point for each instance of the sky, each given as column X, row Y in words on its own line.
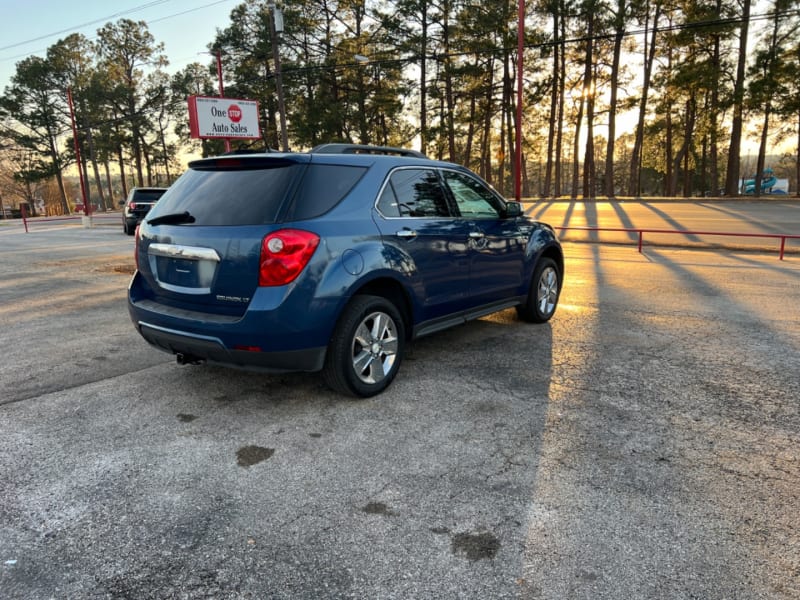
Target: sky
column 186, row 27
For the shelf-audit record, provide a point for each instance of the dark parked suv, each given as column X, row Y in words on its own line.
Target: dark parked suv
column 332, row 261
column 139, row 202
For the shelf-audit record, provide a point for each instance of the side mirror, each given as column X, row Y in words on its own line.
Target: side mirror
column 513, row 210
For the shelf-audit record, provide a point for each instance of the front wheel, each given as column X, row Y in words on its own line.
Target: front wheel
column 366, row 349
column 540, row 305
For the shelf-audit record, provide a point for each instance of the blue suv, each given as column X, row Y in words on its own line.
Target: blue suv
column 333, row 261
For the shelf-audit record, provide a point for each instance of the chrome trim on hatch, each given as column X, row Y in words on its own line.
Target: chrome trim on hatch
column 207, row 261
column 178, row 251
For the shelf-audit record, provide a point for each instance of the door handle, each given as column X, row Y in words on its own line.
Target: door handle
column 406, row 234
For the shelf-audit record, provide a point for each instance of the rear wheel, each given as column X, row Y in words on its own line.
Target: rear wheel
column 366, row 349
column 543, row 294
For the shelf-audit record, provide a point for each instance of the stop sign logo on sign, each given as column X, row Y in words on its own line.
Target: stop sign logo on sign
column 235, row 113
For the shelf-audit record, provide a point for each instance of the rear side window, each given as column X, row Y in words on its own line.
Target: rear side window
column 322, row 188
column 230, row 196
column 413, row 193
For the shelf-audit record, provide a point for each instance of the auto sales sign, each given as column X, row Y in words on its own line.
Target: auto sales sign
column 222, row 118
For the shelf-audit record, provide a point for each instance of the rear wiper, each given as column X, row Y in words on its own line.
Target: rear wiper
column 172, row 219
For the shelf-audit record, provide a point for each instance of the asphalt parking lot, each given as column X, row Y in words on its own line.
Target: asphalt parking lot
column 643, row 444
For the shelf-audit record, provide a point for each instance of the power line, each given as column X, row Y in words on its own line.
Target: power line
column 74, row 29
column 82, row 25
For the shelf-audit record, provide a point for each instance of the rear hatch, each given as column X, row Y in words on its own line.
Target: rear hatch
column 199, row 248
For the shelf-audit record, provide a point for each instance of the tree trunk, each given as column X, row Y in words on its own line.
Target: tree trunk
column 470, row 131
column 669, row 189
column 634, row 185
column 576, row 150
column 121, row 163
column 554, row 77
column 486, row 157
column 561, row 100
column 423, row 82
column 508, row 118
column 715, row 109
column 448, row 82
column 612, row 108
column 135, row 147
column 93, row 158
column 589, row 91
column 163, row 137
column 147, row 164
column 107, row 169
column 59, row 178
column 682, row 156
column 762, row 150
column 734, row 151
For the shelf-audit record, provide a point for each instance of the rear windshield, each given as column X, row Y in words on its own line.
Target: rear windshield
column 229, row 196
column 256, row 193
column 147, row 195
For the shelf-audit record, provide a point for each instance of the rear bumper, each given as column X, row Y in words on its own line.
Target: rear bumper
column 211, row 349
column 265, row 338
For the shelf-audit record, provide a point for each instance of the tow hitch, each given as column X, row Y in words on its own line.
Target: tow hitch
column 189, row 359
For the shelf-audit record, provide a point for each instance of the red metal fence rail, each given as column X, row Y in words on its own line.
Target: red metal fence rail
column 97, row 219
column 777, row 236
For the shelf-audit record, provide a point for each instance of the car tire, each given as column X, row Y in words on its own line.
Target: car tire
column 542, row 300
column 127, row 228
column 366, row 348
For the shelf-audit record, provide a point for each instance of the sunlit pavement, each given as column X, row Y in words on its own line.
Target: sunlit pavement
column 737, row 224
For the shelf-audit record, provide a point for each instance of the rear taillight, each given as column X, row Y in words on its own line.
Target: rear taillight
column 284, row 254
column 132, row 205
column 136, row 249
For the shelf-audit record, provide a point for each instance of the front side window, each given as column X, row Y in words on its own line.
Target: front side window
column 414, row 193
column 474, row 200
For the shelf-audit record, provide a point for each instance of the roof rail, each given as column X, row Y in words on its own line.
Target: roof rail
column 235, row 151
column 364, row 149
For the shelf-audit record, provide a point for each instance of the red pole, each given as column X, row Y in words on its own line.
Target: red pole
column 222, row 91
column 518, row 141
column 86, row 208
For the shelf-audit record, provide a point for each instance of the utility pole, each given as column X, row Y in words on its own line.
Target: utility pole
column 518, row 124
column 276, row 28
column 222, row 91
